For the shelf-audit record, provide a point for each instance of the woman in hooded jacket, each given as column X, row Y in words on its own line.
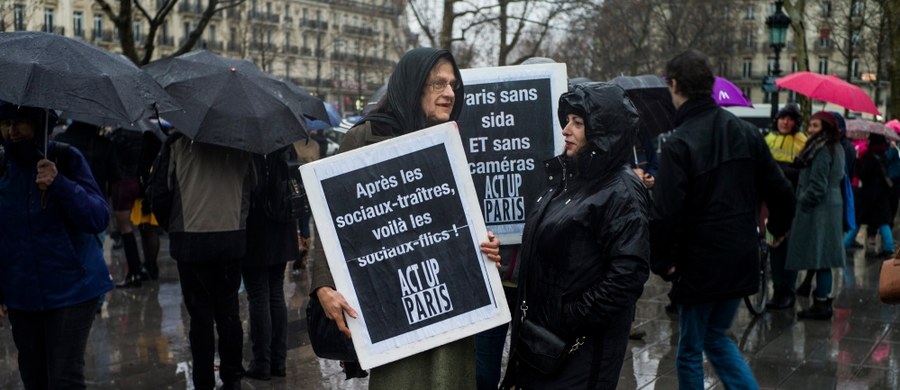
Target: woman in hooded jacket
column 585, row 247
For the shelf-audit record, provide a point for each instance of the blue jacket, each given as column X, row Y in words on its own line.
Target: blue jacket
column 50, row 256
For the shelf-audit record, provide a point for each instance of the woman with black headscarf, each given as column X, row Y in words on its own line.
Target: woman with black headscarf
column 422, row 92
column 585, row 248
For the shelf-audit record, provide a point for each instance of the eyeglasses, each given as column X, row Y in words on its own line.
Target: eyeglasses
column 438, row 86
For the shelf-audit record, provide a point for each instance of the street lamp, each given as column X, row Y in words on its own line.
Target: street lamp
column 777, row 23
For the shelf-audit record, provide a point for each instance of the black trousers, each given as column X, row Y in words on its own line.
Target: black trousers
column 268, row 317
column 51, row 345
column 211, row 297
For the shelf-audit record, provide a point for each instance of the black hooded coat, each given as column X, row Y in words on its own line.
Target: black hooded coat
column 586, row 243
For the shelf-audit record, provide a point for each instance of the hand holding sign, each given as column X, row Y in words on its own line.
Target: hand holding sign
column 334, row 305
column 491, row 248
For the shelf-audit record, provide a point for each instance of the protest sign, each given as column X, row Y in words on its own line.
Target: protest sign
column 509, row 127
column 400, row 225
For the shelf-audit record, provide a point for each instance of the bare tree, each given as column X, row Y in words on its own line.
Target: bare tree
column 129, row 11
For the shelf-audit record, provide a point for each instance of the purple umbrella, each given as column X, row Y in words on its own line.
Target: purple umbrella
column 727, row 94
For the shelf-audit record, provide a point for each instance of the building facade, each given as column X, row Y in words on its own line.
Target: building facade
column 841, row 38
column 339, row 50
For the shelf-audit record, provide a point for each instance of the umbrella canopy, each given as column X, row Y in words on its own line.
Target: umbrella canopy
column 89, row 84
column 726, row 94
column 333, row 118
column 230, row 102
column 894, row 125
column 829, row 89
column 375, row 99
column 860, row 128
column 651, row 97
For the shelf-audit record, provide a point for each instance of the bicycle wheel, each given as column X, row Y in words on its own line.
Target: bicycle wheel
column 756, row 303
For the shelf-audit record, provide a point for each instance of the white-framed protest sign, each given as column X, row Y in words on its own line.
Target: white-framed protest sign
column 509, row 127
column 401, row 226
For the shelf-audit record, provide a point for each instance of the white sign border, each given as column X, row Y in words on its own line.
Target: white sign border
column 559, row 84
column 434, row 335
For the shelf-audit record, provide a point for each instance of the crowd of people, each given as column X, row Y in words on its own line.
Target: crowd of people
column 589, row 243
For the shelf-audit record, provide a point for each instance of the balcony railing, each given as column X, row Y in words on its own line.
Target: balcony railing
column 234, row 46
column 216, row 46
column 314, row 24
column 165, row 40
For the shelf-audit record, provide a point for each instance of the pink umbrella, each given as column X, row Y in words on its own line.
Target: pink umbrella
column 726, row 94
column 894, row 124
column 829, row 89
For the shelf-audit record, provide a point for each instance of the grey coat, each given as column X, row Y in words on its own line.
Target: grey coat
column 816, row 233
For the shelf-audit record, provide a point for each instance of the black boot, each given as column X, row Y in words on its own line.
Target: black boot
column 820, row 310
column 782, row 299
column 131, row 280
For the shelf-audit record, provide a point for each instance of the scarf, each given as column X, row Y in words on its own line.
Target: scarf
column 809, row 151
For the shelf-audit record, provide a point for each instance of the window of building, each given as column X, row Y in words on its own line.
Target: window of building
column 304, row 14
column 748, row 38
column 185, row 29
column 269, row 37
column 269, row 8
column 824, row 38
column 19, row 17
column 823, row 65
column 98, row 26
column 336, row 73
column 232, row 35
column 855, row 38
column 287, row 70
column 770, row 65
column 747, row 71
column 826, row 9
column 748, row 12
column 723, row 67
column 794, row 65
column 48, row 20
column 318, row 15
column 78, row 23
column 854, row 69
column 857, row 8
column 211, row 33
column 138, row 32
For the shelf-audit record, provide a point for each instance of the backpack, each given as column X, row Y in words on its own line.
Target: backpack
column 280, row 192
column 158, row 196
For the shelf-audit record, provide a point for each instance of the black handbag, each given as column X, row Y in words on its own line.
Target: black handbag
column 543, row 350
column 327, row 341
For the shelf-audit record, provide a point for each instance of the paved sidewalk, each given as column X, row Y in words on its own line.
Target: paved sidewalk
column 139, row 340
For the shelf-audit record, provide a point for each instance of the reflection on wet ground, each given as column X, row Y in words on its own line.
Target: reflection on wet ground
column 139, row 340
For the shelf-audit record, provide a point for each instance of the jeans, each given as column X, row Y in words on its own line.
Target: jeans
column 268, row 317
column 783, row 280
column 887, row 237
column 51, row 345
column 703, row 327
column 211, row 297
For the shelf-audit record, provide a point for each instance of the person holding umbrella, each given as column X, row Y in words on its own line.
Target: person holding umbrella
column 52, row 271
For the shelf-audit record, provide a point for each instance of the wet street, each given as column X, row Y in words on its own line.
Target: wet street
column 139, row 340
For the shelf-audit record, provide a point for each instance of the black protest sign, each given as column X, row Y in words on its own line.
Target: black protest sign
column 400, row 226
column 410, row 239
column 508, row 129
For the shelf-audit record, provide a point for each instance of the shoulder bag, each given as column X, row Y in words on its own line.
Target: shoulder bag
column 889, row 280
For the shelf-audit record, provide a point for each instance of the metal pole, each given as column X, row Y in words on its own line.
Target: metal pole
column 776, row 70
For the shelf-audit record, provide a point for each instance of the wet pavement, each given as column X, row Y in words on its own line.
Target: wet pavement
column 139, row 340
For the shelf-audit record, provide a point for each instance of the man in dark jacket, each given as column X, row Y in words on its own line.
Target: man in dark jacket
column 714, row 173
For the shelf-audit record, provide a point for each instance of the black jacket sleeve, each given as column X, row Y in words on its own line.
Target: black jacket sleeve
column 668, row 209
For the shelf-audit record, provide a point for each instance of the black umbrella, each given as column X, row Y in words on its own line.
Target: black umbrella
column 651, row 97
column 51, row 71
column 229, row 102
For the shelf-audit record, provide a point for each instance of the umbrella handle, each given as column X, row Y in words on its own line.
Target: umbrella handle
column 43, row 187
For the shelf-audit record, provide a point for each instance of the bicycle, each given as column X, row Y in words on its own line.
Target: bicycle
column 756, row 303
